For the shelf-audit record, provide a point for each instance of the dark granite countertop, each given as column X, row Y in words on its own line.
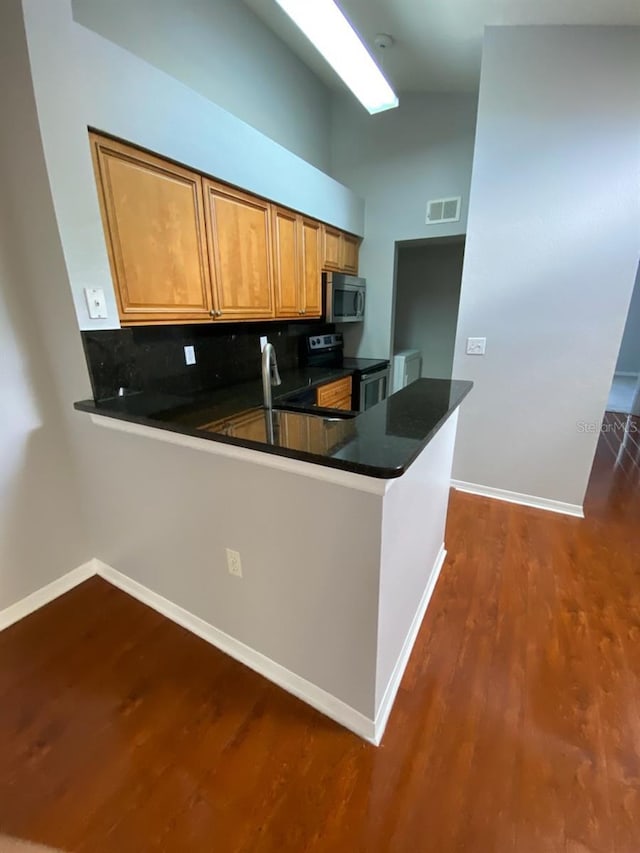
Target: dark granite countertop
column 363, row 365
column 380, row 442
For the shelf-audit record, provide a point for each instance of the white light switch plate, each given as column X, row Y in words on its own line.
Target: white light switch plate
column 476, row 346
column 96, row 303
column 189, row 355
column 263, row 342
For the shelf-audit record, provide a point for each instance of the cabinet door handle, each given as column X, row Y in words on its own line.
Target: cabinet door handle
column 212, row 312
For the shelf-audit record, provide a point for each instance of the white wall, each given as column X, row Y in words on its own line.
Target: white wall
column 220, row 49
column 629, row 356
column 306, row 600
column 43, row 531
column 428, row 283
column 551, row 255
column 397, row 160
column 413, row 528
column 81, row 79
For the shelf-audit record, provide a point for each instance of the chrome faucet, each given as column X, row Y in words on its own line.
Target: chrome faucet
column 270, row 375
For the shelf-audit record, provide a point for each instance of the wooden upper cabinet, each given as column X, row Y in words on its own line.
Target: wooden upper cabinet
column 239, row 239
column 331, row 248
column 349, row 257
column 152, row 213
column 340, row 250
column 297, row 263
column 311, row 272
column 287, row 259
column 184, row 248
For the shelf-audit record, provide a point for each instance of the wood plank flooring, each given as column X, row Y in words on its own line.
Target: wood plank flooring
column 517, row 725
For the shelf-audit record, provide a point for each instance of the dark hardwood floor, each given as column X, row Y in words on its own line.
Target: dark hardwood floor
column 517, row 726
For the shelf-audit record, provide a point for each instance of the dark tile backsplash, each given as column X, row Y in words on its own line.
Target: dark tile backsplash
column 151, row 358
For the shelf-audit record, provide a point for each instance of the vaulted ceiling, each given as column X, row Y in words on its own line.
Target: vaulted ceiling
column 438, row 43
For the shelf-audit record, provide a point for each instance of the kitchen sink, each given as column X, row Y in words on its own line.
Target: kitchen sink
column 316, row 412
column 321, row 431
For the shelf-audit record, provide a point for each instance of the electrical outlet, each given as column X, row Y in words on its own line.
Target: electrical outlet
column 263, row 342
column 476, row 346
column 189, row 355
column 233, row 563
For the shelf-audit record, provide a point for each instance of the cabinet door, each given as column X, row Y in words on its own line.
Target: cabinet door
column 311, row 255
column 152, row 213
column 331, row 251
column 286, row 263
column 343, row 403
column 330, row 393
column 239, row 237
column 349, row 256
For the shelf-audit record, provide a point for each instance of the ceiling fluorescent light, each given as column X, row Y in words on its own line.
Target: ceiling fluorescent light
column 328, row 30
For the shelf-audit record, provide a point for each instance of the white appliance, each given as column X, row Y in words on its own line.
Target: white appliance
column 407, row 367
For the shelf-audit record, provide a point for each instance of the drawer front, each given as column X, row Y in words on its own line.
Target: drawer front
column 333, row 392
column 343, row 403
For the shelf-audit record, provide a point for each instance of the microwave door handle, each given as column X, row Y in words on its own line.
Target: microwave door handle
column 360, row 308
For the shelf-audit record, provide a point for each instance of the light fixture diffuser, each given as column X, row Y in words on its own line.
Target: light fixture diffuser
column 326, row 27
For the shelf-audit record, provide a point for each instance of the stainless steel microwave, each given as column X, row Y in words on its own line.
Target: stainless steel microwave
column 346, row 296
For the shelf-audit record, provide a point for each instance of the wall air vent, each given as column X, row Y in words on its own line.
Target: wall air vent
column 443, row 210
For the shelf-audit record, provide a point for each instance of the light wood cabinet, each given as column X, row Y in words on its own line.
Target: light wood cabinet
column 331, row 248
column 185, row 248
column 349, row 253
column 335, row 395
column 239, row 241
column 343, row 403
column 289, row 296
column 340, row 251
column 311, row 266
column 297, row 264
column 152, row 213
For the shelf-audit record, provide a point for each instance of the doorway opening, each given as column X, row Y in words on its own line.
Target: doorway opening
column 428, row 278
column 624, row 397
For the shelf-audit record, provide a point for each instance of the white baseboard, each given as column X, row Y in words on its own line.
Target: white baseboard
column 516, row 498
column 47, row 593
column 324, row 702
column 389, row 697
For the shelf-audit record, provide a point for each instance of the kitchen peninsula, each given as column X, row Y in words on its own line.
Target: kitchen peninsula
column 174, row 234
column 340, row 523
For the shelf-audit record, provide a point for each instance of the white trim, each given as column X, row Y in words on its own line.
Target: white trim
column 389, row 697
column 324, row 702
column 47, row 593
column 575, row 510
column 360, row 482
column 313, row 695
